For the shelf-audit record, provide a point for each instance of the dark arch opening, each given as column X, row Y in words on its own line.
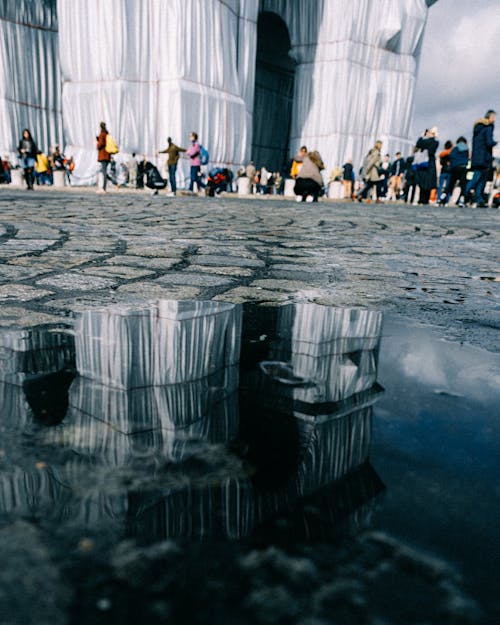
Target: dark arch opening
column 273, row 99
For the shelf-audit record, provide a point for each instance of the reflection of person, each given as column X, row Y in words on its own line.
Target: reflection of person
column 309, row 179
column 194, row 152
column 174, row 152
column 427, row 176
column 482, row 156
column 27, row 151
column 103, row 157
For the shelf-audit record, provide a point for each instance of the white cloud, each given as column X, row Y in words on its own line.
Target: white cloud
column 459, row 77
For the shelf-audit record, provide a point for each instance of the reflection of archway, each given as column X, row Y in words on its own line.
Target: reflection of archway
column 274, row 82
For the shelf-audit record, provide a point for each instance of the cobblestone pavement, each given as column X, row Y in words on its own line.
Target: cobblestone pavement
column 63, row 250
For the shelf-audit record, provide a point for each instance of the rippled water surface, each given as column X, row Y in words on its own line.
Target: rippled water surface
column 199, row 462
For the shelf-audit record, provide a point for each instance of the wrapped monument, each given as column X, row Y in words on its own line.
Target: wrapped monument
column 254, row 78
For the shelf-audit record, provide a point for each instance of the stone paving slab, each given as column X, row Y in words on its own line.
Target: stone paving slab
column 63, row 250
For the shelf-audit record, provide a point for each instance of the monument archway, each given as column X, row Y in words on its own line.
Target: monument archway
column 274, row 89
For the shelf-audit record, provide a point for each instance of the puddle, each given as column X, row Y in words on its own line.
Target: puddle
column 312, row 451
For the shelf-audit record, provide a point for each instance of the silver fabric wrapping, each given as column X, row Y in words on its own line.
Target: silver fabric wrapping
column 332, row 348
column 24, row 353
column 170, row 407
column 164, row 343
column 154, row 69
column 30, row 79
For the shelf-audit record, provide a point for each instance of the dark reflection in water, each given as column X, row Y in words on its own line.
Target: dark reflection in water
column 177, row 445
column 47, row 396
column 164, row 431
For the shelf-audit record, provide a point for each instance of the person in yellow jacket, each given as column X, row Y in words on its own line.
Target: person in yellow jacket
column 297, row 162
column 42, row 168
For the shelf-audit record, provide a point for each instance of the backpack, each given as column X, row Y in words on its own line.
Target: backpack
column 204, row 156
column 111, row 146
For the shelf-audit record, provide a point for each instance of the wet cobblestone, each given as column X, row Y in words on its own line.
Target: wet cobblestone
column 62, row 249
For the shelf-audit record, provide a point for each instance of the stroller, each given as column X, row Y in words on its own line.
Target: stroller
column 154, row 179
column 217, row 182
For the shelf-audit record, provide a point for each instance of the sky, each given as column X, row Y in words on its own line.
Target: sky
column 459, row 73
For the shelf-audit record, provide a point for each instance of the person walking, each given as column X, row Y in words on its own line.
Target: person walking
column 370, row 170
column 459, row 157
column 28, row 151
column 194, row 152
column 103, row 157
column 426, row 174
column 482, row 158
column 174, row 153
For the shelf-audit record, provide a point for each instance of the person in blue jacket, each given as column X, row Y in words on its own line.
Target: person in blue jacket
column 482, row 157
column 458, row 160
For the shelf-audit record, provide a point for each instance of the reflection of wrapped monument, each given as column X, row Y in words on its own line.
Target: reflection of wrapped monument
column 32, row 352
column 165, row 343
column 329, row 364
column 29, row 360
column 322, row 359
column 113, row 425
column 189, row 344
column 160, row 389
column 34, row 382
column 333, row 348
column 320, row 367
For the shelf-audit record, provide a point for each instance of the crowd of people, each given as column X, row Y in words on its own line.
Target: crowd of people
column 38, row 167
column 458, row 173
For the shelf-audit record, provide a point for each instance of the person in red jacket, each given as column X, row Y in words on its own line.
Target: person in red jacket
column 103, row 157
